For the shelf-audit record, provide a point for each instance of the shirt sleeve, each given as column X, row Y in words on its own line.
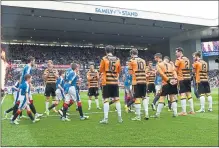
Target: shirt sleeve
column 102, row 66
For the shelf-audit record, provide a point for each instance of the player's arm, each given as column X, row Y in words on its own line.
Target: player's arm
column 119, row 68
column 177, row 63
column 27, row 92
column 102, row 66
column 130, row 68
column 88, row 76
column 45, row 74
column 59, row 85
column 98, row 76
column 56, row 74
column 162, row 74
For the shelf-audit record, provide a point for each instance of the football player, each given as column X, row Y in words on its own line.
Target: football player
column 169, row 83
column 93, row 78
column 110, row 67
column 137, row 69
column 182, row 65
column 201, row 75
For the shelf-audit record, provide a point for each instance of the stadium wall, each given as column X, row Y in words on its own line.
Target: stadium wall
column 189, row 46
column 162, row 48
column 211, row 62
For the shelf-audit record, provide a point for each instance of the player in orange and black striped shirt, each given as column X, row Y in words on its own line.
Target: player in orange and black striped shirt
column 137, row 69
column 182, row 65
column 151, row 73
column 93, row 79
column 169, row 83
column 110, row 67
column 201, row 76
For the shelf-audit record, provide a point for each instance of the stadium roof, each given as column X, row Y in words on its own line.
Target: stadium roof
column 58, row 26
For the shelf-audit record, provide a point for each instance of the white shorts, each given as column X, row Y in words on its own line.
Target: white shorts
column 72, row 94
column 16, row 95
column 158, row 88
column 128, row 89
column 23, row 102
column 30, row 96
column 59, row 95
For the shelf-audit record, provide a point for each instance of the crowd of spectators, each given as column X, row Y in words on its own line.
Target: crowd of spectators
column 65, row 55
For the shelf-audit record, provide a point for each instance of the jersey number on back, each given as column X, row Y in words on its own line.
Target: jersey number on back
column 112, row 66
column 140, row 65
column 204, row 67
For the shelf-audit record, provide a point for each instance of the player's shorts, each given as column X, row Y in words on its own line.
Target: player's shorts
column 184, row 86
column 30, row 96
column 50, row 90
column 151, row 88
column 23, row 102
column 158, row 88
column 169, row 89
column 110, row 90
column 59, row 95
column 16, row 96
column 72, row 95
column 203, row 88
column 93, row 91
column 128, row 89
column 139, row 90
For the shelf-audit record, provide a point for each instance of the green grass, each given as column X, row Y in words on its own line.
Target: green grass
column 192, row 130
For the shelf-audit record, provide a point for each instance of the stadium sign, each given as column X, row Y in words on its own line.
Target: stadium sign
column 116, row 12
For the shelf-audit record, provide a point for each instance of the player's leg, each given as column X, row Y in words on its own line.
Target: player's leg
column 96, row 98
column 131, row 100
column 47, row 95
column 65, row 108
column 76, row 98
column 189, row 96
column 33, row 119
column 137, row 95
column 32, row 107
column 163, row 94
column 173, row 104
column 201, row 91
column 145, row 99
column 115, row 94
column 106, row 96
column 183, row 97
column 19, row 107
column 208, row 94
column 90, row 94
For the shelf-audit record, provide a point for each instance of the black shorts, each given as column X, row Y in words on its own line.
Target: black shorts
column 110, row 91
column 169, row 89
column 151, row 88
column 139, row 90
column 203, row 88
column 50, row 90
column 184, row 86
column 93, row 91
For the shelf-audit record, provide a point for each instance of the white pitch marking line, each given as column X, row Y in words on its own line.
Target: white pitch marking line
column 3, row 99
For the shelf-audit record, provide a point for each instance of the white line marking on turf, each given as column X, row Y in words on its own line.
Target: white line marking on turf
column 3, row 99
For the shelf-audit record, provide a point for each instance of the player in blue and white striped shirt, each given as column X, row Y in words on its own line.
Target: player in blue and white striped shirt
column 28, row 70
column 24, row 99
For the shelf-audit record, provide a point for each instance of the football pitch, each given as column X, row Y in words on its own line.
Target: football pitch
column 200, row 129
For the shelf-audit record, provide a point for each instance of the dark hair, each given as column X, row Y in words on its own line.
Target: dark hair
column 179, row 49
column 197, row 54
column 134, row 51
column 158, row 55
column 74, row 66
column 27, row 76
column 30, row 59
column 166, row 57
column 61, row 72
column 109, row 49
